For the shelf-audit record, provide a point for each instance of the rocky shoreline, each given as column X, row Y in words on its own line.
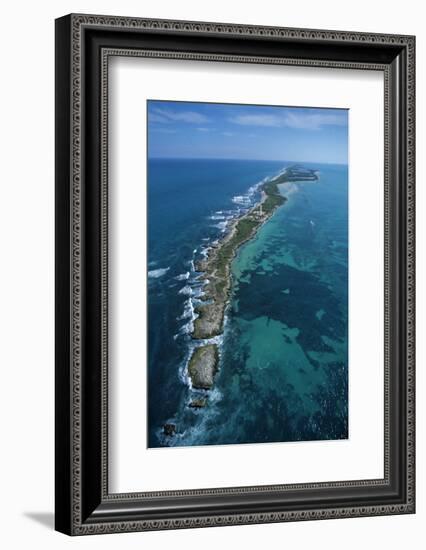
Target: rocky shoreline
column 215, row 270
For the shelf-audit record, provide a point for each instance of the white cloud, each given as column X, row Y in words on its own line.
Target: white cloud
column 203, row 129
column 314, row 121
column 293, row 119
column 228, row 134
column 155, row 117
column 166, row 116
column 257, row 120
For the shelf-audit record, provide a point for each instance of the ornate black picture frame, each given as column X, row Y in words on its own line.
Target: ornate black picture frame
column 84, row 44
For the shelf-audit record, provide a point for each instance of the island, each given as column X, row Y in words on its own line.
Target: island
column 215, row 270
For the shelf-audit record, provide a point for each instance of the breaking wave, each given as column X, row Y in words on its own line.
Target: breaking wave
column 182, row 276
column 155, row 273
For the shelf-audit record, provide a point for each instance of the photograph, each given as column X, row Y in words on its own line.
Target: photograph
column 247, row 275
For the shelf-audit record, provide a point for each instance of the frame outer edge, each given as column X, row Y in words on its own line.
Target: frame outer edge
column 77, row 257
column 77, row 22
column 63, row 453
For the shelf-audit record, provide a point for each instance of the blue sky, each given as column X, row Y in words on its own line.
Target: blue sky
column 218, row 130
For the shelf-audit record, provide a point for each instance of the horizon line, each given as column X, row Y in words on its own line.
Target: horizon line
column 246, row 159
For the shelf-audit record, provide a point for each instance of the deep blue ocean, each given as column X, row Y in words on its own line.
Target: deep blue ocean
column 283, row 355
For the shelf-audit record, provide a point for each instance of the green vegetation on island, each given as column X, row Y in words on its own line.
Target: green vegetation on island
column 297, row 173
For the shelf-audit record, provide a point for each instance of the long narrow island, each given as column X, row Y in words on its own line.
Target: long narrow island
column 216, row 271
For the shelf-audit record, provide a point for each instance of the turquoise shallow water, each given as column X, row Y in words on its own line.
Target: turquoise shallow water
column 283, row 367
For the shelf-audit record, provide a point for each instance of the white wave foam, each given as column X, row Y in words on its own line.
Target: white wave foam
column 198, row 292
column 183, row 276
column 215, row 395
column 188, row 310
column 246, row 200
column 241, row 199
column 214, row 340
column 221, row 225
column 155, row 273
column 186, row 290
column 187, row 328
column 183, row 368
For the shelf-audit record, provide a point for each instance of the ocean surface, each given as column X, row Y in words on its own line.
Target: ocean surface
column 284, row 352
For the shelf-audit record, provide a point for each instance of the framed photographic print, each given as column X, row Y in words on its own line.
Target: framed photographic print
column 234, row 274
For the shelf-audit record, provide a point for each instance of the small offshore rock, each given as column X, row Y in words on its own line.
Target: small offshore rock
column 198, row 403
column 169, row 429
